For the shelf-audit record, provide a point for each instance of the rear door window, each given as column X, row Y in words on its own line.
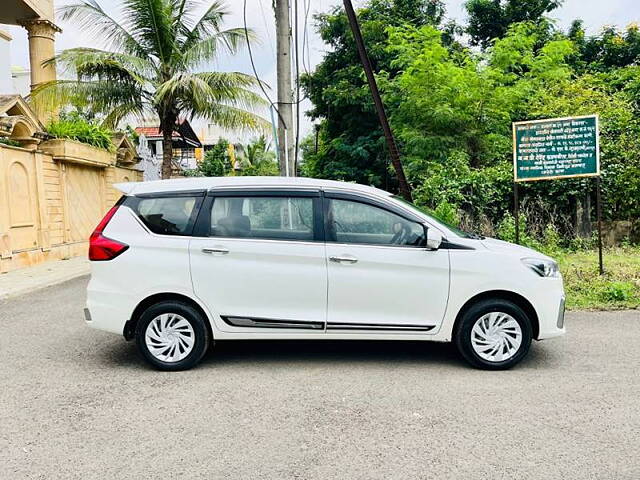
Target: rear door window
column 272, row 217
column 170, row 215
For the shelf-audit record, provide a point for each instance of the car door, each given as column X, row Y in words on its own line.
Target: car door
column 381, row 276
column 261, row 263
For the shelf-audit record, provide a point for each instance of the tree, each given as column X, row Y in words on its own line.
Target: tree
column 351, row 144
column 258, row 160
column 612, row 48
column 216, row 161
column 457, row 138
column 149, row 67
column 491, row 19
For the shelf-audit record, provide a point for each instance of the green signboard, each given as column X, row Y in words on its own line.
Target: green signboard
column 556, row 148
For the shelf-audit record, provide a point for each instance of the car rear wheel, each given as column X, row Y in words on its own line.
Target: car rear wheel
column 172, row 336
column 494, row 334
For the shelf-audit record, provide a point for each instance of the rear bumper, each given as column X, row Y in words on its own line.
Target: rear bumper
column 106, row 312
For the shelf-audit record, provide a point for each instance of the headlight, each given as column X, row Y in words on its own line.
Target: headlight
column 544, row 268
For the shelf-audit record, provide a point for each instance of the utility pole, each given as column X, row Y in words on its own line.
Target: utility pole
column 286, row 134
column 403, row 185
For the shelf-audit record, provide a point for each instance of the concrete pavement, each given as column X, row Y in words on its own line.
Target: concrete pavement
column 27, row 280
column 78, row 403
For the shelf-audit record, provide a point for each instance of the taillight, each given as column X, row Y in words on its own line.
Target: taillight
column 102, row 248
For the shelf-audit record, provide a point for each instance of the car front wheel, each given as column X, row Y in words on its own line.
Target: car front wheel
column 494, row 334
column 172, row 336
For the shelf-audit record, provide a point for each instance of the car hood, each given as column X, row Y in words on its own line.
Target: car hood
column 512, row 249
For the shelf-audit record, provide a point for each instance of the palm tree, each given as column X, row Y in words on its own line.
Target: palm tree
column 258, row 151
column 149, row 67
column 258, row 159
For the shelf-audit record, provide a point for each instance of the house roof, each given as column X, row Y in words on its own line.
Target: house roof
column 127, row 153
column 183, row 132
column 151, row 132
column 13, row 111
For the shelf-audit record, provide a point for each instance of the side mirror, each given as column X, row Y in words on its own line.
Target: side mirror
column 434, row 238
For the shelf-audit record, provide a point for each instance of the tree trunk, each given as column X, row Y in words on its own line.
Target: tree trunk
column 167, row 154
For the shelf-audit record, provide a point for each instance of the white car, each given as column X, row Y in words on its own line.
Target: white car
column 177, row 264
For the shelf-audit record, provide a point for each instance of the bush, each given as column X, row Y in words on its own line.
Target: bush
column 586, row 289
column 73, row 127
column 8, row 141
column 617, row 292
column 507, row 231
column 448, row 213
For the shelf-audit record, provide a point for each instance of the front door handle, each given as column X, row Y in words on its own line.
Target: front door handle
column 220, row 250
column 344, row 259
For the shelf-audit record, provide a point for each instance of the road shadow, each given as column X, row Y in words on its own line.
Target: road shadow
column 330, row 351
column 267, row 353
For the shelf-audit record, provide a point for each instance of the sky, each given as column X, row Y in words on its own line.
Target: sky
column 595, row 13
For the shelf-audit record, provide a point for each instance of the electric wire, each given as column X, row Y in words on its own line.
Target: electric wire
column 266, row 29
column 305, row 39
column 253, row 65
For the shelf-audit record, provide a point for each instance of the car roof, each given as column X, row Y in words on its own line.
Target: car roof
column 208, row 183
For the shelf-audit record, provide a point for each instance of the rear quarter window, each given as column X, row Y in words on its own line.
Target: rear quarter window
column 170, row 215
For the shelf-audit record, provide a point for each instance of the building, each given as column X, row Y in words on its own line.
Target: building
column 53, row 192
column 37, row 18
column 186, row 148
column 12, row 79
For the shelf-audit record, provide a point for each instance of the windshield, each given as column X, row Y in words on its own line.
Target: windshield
column 456, row 230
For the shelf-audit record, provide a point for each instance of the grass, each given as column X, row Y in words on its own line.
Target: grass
column 618, row 288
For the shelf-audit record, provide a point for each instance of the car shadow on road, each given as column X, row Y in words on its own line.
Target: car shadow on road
column 333, row 351
column 265, row 353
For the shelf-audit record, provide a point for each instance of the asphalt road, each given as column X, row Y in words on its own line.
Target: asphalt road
column 78, row 403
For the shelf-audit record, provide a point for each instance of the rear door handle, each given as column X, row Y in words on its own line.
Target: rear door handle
column 344, row 259
column 220, row 250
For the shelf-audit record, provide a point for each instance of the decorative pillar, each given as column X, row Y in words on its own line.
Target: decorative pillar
column 41, row 48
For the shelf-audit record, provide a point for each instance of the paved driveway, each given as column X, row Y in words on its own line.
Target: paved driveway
column 77, row 403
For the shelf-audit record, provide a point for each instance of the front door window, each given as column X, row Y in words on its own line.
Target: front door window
column 361, row 223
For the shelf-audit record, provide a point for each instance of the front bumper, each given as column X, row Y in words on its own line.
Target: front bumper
column 550, row 306
column 561, row 312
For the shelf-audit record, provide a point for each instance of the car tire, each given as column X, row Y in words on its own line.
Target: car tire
column 493, row 334
column 172, row 336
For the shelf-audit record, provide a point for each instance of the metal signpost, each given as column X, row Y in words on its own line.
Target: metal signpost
column 557, row 148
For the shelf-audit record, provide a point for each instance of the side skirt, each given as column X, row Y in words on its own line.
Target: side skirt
column 248, row 322
column 271, row 323
column 379, row 327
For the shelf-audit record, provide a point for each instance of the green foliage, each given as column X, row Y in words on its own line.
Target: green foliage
column 265, row 169
column 551, row 238
column 258, row 160
column 216, row 161
column 10, row 142
column 131, row 132
column 351, row 144
column 586, row 289
column 151, row 67
column 620, row 141
column 457, row 139
column 618, row 292
column 74, row 127
column 491, row 19
column 448, row 213
column 506, row 231
column 452, row 108
column 255, row 159
column 612, row 48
